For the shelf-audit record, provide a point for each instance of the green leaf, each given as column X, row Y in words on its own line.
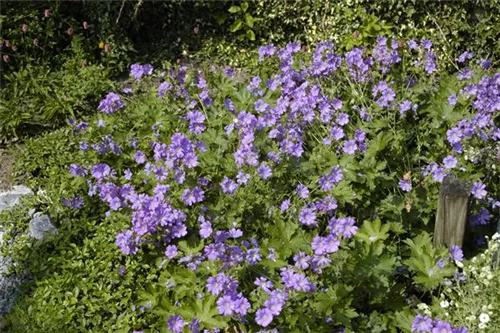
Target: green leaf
column 234, row 9
column 236, row 26
column 249, row 20
column 244, row 6
column 250, row 35
column 220, row 19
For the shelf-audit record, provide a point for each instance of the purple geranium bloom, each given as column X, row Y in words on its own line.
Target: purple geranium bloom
column 421, row 324
column 171, row 251
column 163, row 88
column 285, row 205
column 405, row 185
column 139, row 157
column 190, row 197
column 342, row 119
column 302, row 191
column 101, row 171
column 452, row 99
column 426, row 44
column 77, row 170
column 307, row 217
column 449, row 162
column 350, row 147
column 111, row 103
column 263, row 317
column 228, row 185
column 176, row 324
column 264, row 171
column 456, row 253
column 479, row 190
column 441, row 326
column 124, row 240
column 225, row 305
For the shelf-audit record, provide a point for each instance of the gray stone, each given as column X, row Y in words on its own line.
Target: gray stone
column 9, row 199
column 41, row 227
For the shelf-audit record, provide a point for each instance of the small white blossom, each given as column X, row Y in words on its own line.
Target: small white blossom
column 444, row 304
column 484, row 318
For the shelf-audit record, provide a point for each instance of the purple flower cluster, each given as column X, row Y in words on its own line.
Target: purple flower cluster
column 111, row 103
column 138, row 71
column 424, row 324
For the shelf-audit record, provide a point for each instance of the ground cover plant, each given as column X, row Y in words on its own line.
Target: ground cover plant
column 299, row 199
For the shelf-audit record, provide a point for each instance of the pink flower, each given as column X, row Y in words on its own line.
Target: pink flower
column 35, row 41
column 85, row 25
column 46, row 12
column 196, row 30
column 107, row 48
column 25, row 28
column 70, row 31
column 6, row 58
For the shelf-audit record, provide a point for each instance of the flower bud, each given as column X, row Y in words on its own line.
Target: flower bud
column 46, row 12
column 85, row 25
column 35, row 41
column 25, row 28
column 7, row 43
column 107, row 48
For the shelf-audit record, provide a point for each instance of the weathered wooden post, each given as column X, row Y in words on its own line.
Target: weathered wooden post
column 452, row 212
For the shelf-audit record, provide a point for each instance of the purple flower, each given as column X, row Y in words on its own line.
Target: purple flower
column 125, row 242
column 176, row 324
column 426, row 44
column 449, row 162
column 404, row 107
column 242, row 178
column 456, row 253
column 464, row 56
column 205, row 228
column 77, row 170
column 307, row 217
column 264, row 171
column 302, row 191
column 350, row 147
column 285, row 205
column 101, row 171
column 421, row 324
column 127, row 174
column 479, row 190
column 405, row 185
column 225, row 305
column 452, row 99
column 228, row 185
column 263, row 317
column 337, row 133
column 190, row 197
column 171, row 251
column 138, row 70
column 73, row 203
column 441, row 326
column 163, row 88
column 111, row 103
column 139, row 157
column 267, row 50
column 342, row 119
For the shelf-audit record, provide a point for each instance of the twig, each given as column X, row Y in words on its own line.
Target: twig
column 120, row 13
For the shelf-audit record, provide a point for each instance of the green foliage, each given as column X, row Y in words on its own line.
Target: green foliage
column 38, row 97
column 371, row 276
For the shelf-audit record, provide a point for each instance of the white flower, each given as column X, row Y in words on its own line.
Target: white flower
column 444, row 304
column 481, row 326
column 484, row 318
column 422, row 306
